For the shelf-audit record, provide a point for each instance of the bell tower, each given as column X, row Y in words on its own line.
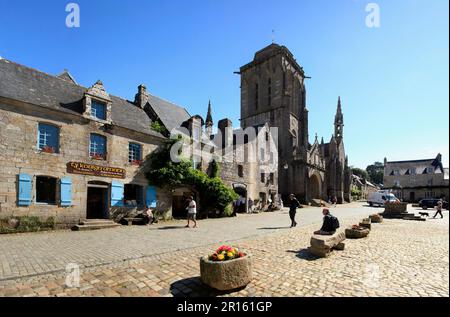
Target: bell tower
column 339, row 123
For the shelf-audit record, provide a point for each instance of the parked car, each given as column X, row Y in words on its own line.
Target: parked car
column 380, row 198
column 431, row 203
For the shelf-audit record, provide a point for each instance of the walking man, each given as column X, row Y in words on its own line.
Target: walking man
column 439, row 209
column 192, row 212
column 293, row 209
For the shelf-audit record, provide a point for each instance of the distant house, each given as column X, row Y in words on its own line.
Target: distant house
column 417, row 179
column 364, row 186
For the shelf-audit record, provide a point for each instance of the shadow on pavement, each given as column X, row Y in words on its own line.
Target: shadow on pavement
column 171, row 227
column 274, row 228
column 194, row 287
column 304, row 254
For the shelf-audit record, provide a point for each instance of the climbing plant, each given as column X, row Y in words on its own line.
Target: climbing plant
column 214, row 194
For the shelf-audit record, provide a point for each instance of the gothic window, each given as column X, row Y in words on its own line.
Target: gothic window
column 269, row 92
column 240, row 170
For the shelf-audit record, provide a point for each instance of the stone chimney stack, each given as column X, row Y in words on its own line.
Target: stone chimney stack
column 141, row 97
column 225, row 127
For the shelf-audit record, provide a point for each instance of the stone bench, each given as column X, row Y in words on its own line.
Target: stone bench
column 322, row 245
column 131, row 220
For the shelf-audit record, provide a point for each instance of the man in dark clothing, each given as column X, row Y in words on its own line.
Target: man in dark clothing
column 294, row 204
column 329, row 224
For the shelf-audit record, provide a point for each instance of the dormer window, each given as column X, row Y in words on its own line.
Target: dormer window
column 98, row 110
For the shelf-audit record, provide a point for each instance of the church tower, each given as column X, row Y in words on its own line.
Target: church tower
column 273, row 91
column 209, row 121
column 339, row 123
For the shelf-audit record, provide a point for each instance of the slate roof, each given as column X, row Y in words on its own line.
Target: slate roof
column 28, row 85
column 171, row 115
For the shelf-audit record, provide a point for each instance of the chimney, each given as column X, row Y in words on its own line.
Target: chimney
column 225, row 127
column 141, row 97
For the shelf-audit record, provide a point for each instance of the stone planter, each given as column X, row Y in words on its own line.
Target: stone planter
column 226, row 275
column 366, row 223
column 351, row 233
column 376, row 218
column 395, row 207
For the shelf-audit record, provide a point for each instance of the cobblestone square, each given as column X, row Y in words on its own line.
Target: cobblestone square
column 398, row 258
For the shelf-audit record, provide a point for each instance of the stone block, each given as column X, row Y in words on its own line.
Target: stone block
column 376, row 218
column 359, row 233
column 227, row 275
column 322, row 246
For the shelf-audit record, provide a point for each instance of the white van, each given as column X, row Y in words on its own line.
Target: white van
column 380, row 197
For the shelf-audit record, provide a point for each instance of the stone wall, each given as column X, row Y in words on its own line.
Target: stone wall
column 19, row 153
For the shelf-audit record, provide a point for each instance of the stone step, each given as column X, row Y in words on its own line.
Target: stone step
column 96, row 222
column 415, row 218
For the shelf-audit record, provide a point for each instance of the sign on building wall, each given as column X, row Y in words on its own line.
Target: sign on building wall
column 95, row 170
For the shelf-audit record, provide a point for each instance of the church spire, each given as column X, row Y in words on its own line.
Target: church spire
column 339, row 122
column 209, row 120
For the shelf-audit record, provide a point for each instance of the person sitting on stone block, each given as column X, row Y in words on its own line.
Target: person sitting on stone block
column 330, row 224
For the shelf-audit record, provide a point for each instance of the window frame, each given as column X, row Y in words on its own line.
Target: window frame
column 105, row 147
column 130, row 151
column 56, row 149
column 49, row 203
column 94, row 109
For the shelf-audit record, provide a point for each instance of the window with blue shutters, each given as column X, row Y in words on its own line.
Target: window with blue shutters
column 48, row 138
column 66, row 192
column 151, row 197
column 117, row 194
column 134, row 152
column 98, row 110
column 97, row 147
column 24, row 190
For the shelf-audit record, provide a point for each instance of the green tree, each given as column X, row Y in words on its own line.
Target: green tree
column 360, row 172
column 376, row 172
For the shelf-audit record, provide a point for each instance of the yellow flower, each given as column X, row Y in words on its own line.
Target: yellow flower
column 221, row 257
column 230, row 254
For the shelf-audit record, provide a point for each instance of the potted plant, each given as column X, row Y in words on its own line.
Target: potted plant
column 376, row 218
column 98, row 156
column 136, row 162
column 226, row 269
column 48, row 149
column 356, row 232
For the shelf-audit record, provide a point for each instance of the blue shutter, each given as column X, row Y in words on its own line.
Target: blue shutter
column 117, row 189
column 24, row 195
column 151, row 197
column 66, row 192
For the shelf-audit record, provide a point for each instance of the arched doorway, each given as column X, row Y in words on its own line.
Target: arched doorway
column 241, row 204
column 179, row 201
column 315, row 187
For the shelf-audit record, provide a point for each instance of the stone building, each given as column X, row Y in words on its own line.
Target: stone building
column 76, row 153
column 273, row 91
column 416, row 179
column 364, row 187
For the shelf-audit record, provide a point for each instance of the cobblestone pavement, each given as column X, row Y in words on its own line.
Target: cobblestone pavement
column 38, row 253
column 398, row 258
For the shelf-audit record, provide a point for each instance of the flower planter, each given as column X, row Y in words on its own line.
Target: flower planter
column 376, row 218
column 226, row 275
column 366, row 223
column 359, row 233
column 395, row 207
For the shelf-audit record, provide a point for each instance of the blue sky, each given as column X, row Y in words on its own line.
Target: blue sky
column 393, row 80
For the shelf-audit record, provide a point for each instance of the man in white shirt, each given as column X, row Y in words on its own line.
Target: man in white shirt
column 192, row 212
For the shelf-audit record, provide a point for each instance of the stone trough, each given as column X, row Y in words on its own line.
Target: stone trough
column 226, row 275
column 321, row 246
column 356, row 233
